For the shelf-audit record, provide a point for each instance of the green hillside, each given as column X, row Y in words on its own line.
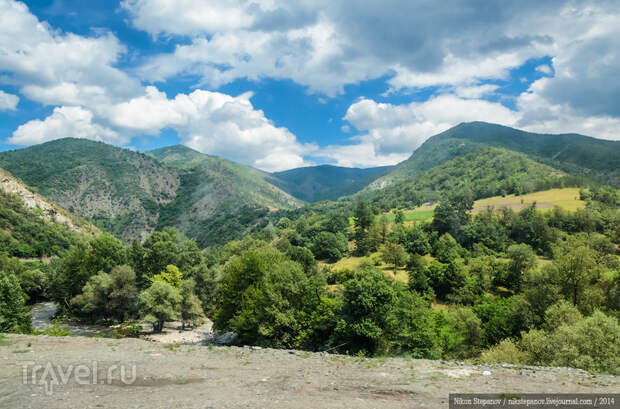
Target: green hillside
column 486, row 172
column 218, row 199
column 575, row 154
column 31, row 226
column 325, row 182
column 118, row 189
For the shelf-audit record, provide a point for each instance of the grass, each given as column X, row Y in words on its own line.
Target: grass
column 353, row 263
column 567, row 199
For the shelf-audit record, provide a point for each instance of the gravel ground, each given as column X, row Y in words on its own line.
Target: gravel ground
column 187, row 376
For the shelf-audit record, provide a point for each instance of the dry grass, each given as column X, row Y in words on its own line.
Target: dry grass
column 567, row 199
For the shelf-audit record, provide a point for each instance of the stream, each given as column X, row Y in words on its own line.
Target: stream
column 43, row 313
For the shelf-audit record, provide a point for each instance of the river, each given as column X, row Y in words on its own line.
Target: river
column 43, row 312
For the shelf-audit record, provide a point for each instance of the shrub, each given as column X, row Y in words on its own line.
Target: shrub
column 504, row 352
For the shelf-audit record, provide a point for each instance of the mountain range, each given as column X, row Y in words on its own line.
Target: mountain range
column 214, row 200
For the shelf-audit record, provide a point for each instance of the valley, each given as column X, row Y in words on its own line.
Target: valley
column 482, row 255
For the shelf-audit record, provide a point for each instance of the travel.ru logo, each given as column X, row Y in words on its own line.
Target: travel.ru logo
column 50, row 375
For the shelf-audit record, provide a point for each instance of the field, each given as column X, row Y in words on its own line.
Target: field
column 352, row 263
column 567, row 199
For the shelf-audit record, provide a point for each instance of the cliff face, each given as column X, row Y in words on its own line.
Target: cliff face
column 43, row 207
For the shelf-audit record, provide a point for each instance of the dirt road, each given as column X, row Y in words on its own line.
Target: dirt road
column 170, row 376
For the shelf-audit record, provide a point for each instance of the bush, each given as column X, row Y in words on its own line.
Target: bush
column 592, row 343
column 504, row 352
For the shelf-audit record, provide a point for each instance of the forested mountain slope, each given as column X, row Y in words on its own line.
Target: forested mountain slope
column 31, row 226
column 579, row 155
column 118, row 189
column 486, row 172
column 325, row 182
column 218, row 199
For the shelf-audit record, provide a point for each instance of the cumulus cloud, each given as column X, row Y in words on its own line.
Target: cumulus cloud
column 98, row 101
column 8, row 102
column 75, row 122
column 56, row 68
column 328, row 44
column 215, row 123
column 391, row 132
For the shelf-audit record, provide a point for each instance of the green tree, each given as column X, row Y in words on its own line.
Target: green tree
column 368, row 300
column 171, row 275
column 123, row 293
column 399, row 217
column 159, row 303
column 446, row 249
column 383, row 227
column 522, row 259
column 14, row 314
column 329, row 246
column 108, row 295
column 574, row 267
column 190, row 308
column 394, row 254
column 304, row 257
column 363, row 220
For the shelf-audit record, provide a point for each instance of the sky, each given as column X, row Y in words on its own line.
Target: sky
column 279, row 84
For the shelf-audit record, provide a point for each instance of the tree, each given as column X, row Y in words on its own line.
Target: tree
column 399, row 217
column 522, row 259
column 383, row 228
column 452, row 214
column 363, row 220
column 108, row 296
column 171, row 275
column 302, row 256
column 122, row 293
column 574, row 266
column 207, row 280
column 446, row 249
column 159, row 303
column 368, row 300
column 163, row 248
column 278, row 311
column 191, row 311
column 392, row 253
column 14, row 314
column 329, row 246
column 104, row 253
column 242, row 275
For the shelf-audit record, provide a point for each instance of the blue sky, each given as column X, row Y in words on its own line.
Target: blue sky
column 278, row 85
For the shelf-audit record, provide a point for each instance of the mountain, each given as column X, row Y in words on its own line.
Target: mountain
column 32, row 226
column 576, row 154
column 325, row 182
column 484, row 173
column 117, row 189
column 217, row 199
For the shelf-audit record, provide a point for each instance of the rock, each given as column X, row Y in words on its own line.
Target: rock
column 486, row 373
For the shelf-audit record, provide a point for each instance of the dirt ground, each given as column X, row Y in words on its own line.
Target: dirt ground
column 189, row 376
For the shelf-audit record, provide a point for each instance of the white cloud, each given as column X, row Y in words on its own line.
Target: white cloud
column 56, row 68
column 328, row 44
column 475, row 91
column 75, row 122
column 360, row 155
column 8, row 102
column 545, row 69
column 214, row 123
column 190, row 16
column 538, row 114
column 400, row 129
